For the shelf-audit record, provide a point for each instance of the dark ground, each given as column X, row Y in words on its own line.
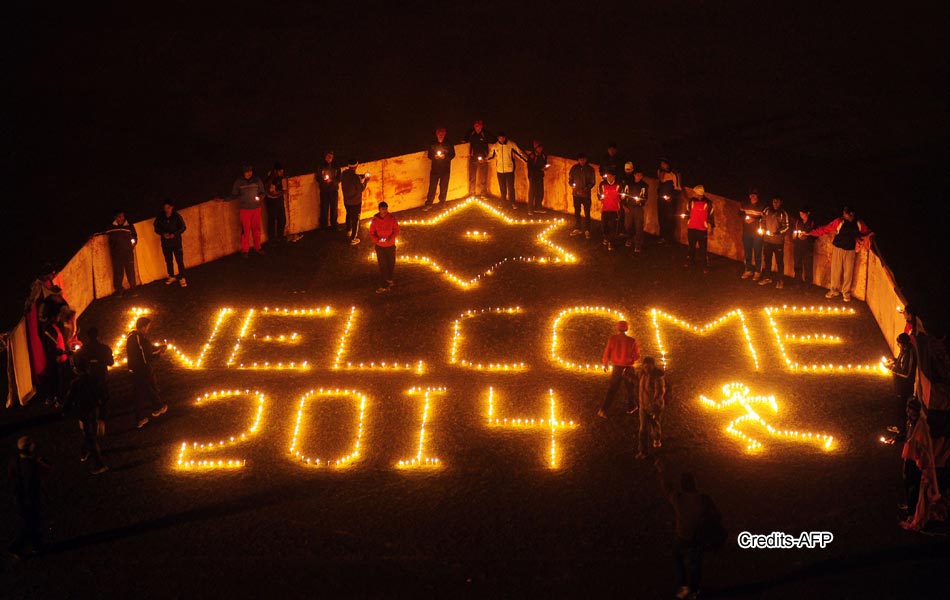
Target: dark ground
column 494, row 521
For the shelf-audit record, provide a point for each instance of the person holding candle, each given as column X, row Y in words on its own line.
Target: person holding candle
column 775, row 224
column 504, row 153
column 701, row 218
column 122, row 239
column 169, row 224
column 353, row 184
column 667, row 194
column 904, row 373
column 140, row 353
column 328, row 180
column 440, row 156
column 611, row 161
column 804, row 246
column 537, row 166
column 249, row 189
column 582, row 180
column 751, row 213
column 275, row 198
column 652, row 397
column 848, row 233
column 608, row 191
column 634, row 193
column 384, row 229
column 620, row 354
column 478, row 141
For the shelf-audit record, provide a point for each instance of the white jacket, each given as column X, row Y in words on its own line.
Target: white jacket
column 504, row 155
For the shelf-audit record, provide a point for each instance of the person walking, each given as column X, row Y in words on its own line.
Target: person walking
column 170, row 225
column 537, row 167
column 353, row 184
column 122, row 239
column 652, row 397
column 25, row 472
column 668, row 190
column 96, row 358
column 384, row 229
column 582, row 180
column 140, row 354
column 504, row 153
column 634, row 193
column 328, row 179
column 249, row 189
column 620, row 354
column 701, row 218
column 440, row 156
column 774, row 226
column 478, row 142
column 803, row 245
column 85, row 398
column 751, row 213
column 848, row 233
column 608, row 191
column 274, row 199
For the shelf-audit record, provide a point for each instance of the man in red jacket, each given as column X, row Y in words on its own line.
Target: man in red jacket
column 620, row 354
column 384, row 229
column 608, row 191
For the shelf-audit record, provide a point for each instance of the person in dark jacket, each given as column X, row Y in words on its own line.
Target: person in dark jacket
column 353, row 184
column 691, row 509
column 634, row 193
column 700, row 219
column 804, row 246
column 774, row 226
column 249, row 190
column 848, row 234
column 478, row 140
column 537, row 166
column 25, row 473
column 667, row 197
column 169, row 225
column 328, row 179
column 276, row 186
column 140, row 353
column 56, row 349
column 84, row 396
column 122, row 239
column 96, row 358
column 611, row 161
column 904, row 371
column 582, row 180
column 440, row 156
column 751, row 213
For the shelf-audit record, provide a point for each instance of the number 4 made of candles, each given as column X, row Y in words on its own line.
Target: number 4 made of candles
column 737, row 395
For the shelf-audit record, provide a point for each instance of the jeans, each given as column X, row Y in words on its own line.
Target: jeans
column 250, row 226
column 688, row 561
column 89, row 421
column 276, row 219
column 752, row 244
column 696, row 238
column 386, row 258
column 440, row 179
column 179, row 258
column 352, row 220
column 804, row 261
column 633, row 223
column 665, row 212
column 616, row 378
column 477, row 169
column 582, row 202
column 123, row 264
column 610, row 221
column 329, row 199
column 506, row 187
column 842, row 270
column 649, row 427
column 778, row 250
column 145, row 391
column 535, row 192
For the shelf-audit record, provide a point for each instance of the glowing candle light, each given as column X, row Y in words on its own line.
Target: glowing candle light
column 345, row 460
column 184, row 463
column 550, row 424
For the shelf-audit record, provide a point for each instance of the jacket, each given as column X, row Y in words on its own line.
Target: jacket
column 582, row 180
column 352, row 185
column 846, row 232
column 122, row 238
column 537, row 165
column 275, row 186
column 96, row 357
column 775, row 223
column 634, row 193
column 805, row 227
column 699, row 211
column 609, row 194
column 328, row 177
column 384, row 230
column 140, row 353
column 751, row 217
column 504, row 155
column 174, row 225
column 441, row 155
column 249, row 191
column 652, row 389
column 668, row 183
column 477, row 143
column 612, row 163
column 621, row 351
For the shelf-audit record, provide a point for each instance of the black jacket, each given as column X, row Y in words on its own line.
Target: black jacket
column 140, row 353
column 613, row 163
column 174, row 225
column 478, row 143
column 96, row 357
column 328, row 177
column 582, row 179
column 441, row 155
column 122, row 238
column 352, row 185
column 537, row 164
column 634, row 193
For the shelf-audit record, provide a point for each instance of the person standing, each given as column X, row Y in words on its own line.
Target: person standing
column 249, row 189
column 274, row 199
column 440, row 156
column 701, row 219
column 904, row 372
column 140, row 353
column 384, row 229
column 751, row 213
column 774, row 225
column 353, row 184
column 634, row 193
column 620, row 354
column 169, row 225
column 652, row 399
column 608, row 191
column 504, row 153
column 122, row 239
column 537, row 166
column 582, row 180
column 668, row 190
column 848, row 231
column 611, row 161
column 478, row 142
column 328, row 179
column 25, row 473
column 804, row 246
column 96, row 358
column 84, row 397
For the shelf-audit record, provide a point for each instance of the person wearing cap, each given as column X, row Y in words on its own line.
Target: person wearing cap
column 803, row 245
column 25, row 473
column 170, row 225
column 634, row 192
column 504, row 153
column 582, row 180
column 620, row 354
column 140, row 353
column 328, row 180
column 249, row 189
column 274, row 199
column 848, row 233
column 652, row 398
column 384, row 229
column 608, row 191
column 122, row 239
column 751, row 212
column 353, row 184
column 701, row 218
column 611, row 161
column 537, row 166
column 440, row 156
column 478, row 142
column 668, row 191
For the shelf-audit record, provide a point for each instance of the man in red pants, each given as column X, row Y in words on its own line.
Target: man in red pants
column 250, row 191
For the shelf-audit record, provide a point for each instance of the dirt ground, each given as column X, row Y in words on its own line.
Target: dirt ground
column 494, row 519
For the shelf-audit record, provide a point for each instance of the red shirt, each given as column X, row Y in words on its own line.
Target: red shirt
column 621, row 351
column 384, row 230
column 699, row 213
column 609, row 197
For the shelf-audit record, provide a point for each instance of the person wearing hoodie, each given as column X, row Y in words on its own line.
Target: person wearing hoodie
column 478, row 141
column 353, row 184
column 249, row 189
column 701, row 219
column 328, row 179
column 773, row 227
column 440, row 156
column 122, row 239
column 848, row 233
column 751, row 213
column 504, row 153
column 383, row 229
column 169, row 225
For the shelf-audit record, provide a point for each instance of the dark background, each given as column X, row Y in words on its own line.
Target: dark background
column 825, row 105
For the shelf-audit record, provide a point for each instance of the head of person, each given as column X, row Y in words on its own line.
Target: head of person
column 622, row 326
column 328, row 156
column 56, row 291
column 664, row 164
column 628, row 168
column 687, row 482
column 278, row 169
column 754, row 195
column 502, row 138
column 65, row 316
column 351, row 163
column 649, row 363
column 611, row 177
column 440, row 134
column 699, row 190
column 383, row 209
column 582, row 158
column 25, row 445
column 92, row 334
column 143, row 324
column 248, row 171
column 168, row 208
column 638, row 176
column 804, row 214
column 120, row 216
column 612, row 149
column 910, row 313
column 478, row 126
column 913, row 409
column 847, row 213
column 776, row 202
column 903, row 340
column 538, row 147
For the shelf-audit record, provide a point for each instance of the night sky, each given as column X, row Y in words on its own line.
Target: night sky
column 126, row 107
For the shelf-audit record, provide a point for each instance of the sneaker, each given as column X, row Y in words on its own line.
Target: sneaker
column 756, row 276
column 780, row 285
column 637, row 250
column 765, row 281
column 705, row 270
column 846, row 298
column 354, row 241
column 183, row 282
column 605, row 242
column 746, row 274
column 85, row 456
column 891, row 428
column 390, row 282
column 633, row 410
column 244, row 255
column 682, row 593
column 100, row 470
column 628, row 243
column 260, row 251
column 576, row 232
column 170, row 281
column 601, row 414
column 641, row 456
column 427, row 208
column 161, row 411
column 530, row 212
column 514, row 207
column 539, row 211
column 657, row 443
column 832, row 294
column 587, row 235
column 141, row 423
column 382, row 290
